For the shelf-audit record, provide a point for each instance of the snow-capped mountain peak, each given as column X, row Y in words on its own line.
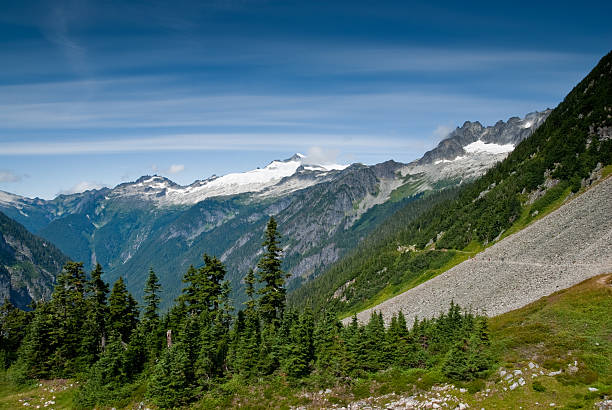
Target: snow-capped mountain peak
column 165, row 192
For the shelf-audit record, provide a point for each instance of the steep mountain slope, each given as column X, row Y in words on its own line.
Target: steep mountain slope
column 560, row 250
column 567, row 152
column 28, row 264
column 323, row 211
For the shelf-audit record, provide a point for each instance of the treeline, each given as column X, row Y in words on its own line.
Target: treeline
column 101, row 337
column 570, row 144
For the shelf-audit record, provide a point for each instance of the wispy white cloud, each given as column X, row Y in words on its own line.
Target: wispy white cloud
column 441, row 132
column 175, row 169
column 9, row 176
column 205, row 142
column 374, row 58
column 321, row 156
column 247, row 110
column 82, row 187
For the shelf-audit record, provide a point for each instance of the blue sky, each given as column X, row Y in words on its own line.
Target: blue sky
column 97, row 93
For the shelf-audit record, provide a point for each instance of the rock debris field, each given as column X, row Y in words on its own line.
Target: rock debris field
column 558, row 251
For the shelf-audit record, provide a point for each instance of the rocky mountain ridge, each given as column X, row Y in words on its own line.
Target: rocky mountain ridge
column 322, row 209
column 474, row 137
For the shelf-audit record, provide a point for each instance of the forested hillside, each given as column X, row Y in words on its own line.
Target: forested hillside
column 28, row 264
column 101, row 338
column 567, row 152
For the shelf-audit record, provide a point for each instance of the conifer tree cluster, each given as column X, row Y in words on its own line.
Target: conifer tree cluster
column 85, row 332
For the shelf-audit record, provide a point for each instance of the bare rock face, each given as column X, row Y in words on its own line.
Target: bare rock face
column 560, row 250
column 511, row 132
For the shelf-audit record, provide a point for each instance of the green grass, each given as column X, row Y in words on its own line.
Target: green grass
column 405, row 191
column 567, row 326
column 13, row 396
column 393, row 290
column 527, row 218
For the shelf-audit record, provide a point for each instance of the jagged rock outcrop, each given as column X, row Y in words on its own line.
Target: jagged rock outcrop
column 511, row 132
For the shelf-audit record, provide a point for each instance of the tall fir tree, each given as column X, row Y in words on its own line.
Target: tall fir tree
column 68, row 312
column 272, row 300
column 205, row 288
column 123, row 310
column 94, row 333
column 13, row 324
column 151, row 299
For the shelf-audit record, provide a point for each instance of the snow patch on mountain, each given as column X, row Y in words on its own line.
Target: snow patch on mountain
column 9, row 199
column 278, row 177
column 481, row 146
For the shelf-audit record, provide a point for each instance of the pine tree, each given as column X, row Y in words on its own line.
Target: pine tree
column 13, row 323
column 123, row 311
column 377, row 350
column 151, row 299
column 249, row 281
column 480, row 356
column 94, row 328
column 169, row 384
column 456, row 362
column 68, row 312
column 297, row 350
column 151, row 325
column 329, row 352
column 272, row 301
column 106, row 376
column 205, row 288
column 36, row 349
column 246, row 343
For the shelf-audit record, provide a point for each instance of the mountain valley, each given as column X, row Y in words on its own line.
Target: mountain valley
column 323, row 210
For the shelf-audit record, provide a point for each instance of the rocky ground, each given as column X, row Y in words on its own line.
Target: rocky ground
column 449, row 396
column 562, row 249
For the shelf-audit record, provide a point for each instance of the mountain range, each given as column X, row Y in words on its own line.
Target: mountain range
column 323, row 210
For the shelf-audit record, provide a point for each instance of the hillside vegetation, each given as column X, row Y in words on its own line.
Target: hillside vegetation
column 560, row 344
column 568, row 151
column 28, row 264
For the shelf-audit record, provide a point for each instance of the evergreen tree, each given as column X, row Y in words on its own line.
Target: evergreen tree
column 456, row 363
column 106, row 376
column 272, row 300
column 246, row 342
column 68, row 312
column 205, row 289
column 94, row 328
column 151, row 326
column 169, row 384
column 123, row 311
column 297, row 349
column 328, row 346
column 249, row 281
column 151, row 299
column 13, row 323
column 480, row 356
column 377, row 350
column 137, row 352
column 36, row 349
